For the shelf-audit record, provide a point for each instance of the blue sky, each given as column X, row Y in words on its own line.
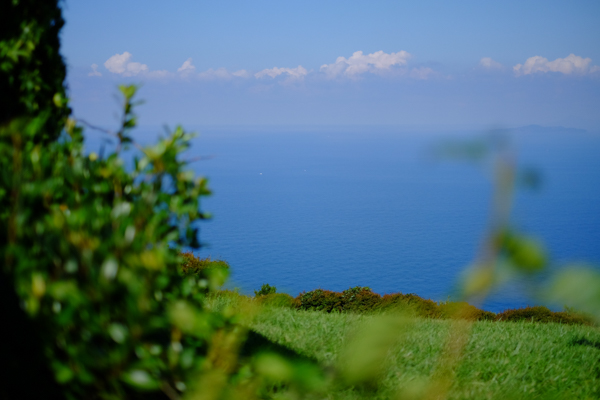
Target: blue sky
column 417, row 63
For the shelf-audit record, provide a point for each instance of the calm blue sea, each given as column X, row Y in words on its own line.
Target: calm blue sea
column 339, row 207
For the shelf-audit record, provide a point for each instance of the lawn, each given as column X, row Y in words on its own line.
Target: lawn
column 428, row 357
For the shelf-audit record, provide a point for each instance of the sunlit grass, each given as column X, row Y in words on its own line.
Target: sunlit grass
column 501, row 360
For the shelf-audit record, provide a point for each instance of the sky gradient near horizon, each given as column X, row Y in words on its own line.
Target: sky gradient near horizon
column 426, row 63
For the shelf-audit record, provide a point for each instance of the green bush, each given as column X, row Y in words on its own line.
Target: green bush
column 276, row 300
column 464, row 310
column 411, row 302
column 31, row 68
column 92, row 253
column 360, row 299
column 542, row 314
column 320, row 300
column 265, row 289
column 363, row 300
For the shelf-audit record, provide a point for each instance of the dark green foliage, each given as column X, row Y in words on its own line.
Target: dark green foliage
column 31, row 68
column 92, row 253
column 265, row 289
column 31, row 85
column 320, row 300
column 360, row 299
column 542, row 314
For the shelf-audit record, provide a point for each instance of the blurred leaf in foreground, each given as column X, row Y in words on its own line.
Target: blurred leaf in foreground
column 578, row 287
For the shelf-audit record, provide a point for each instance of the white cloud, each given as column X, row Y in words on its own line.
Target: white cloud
column 488, row 63
column 94, row 71
column 187, row 67
column 571, row 64
column 359, row 63
column 122, row 64
column 293, row 73
column 222, row 74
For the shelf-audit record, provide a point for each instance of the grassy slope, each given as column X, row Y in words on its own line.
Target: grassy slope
column 502, row 360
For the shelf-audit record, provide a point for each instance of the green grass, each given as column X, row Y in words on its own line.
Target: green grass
column 508, row 360
column 501, row 360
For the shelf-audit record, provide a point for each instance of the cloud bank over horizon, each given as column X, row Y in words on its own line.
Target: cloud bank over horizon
column 357, row 66
column 354, row 67
column 363, row 88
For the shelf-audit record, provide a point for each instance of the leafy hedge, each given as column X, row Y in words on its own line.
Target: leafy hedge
column 363, row 299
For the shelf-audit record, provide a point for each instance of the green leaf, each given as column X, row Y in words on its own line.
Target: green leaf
column 117, row 332
column 524, row 252
column 140, row 379
column 576, row 286
column 274, row 367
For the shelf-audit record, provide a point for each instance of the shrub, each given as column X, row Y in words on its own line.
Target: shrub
column 320, row 300
column 587, row 319
column 276, row 300
column 360, row 299
column 464, row 310
column 419, row 306
column 192, row 264
column 541, row 314
column 265, row 289
column 93, row 257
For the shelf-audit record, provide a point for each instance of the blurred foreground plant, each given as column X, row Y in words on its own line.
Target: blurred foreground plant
column 92, row 252
column 98, row 300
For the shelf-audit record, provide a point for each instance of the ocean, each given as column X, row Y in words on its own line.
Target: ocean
column 337, row 207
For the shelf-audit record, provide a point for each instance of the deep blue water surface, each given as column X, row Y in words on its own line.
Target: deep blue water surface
column 335, row 208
